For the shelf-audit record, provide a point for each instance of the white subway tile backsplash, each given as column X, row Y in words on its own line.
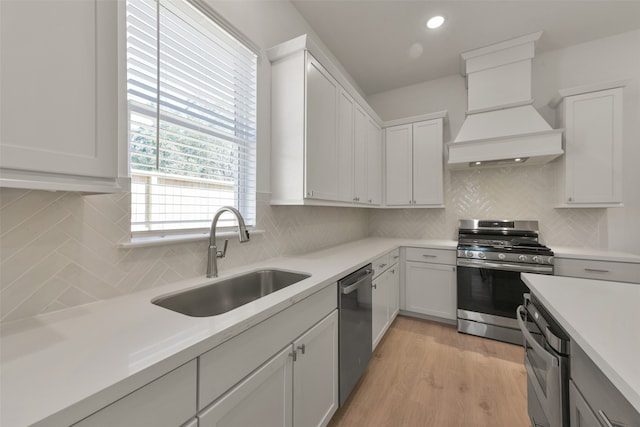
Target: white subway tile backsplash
column 522, row 192
column 60, row 249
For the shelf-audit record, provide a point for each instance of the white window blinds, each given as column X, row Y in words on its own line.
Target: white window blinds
column 192, row 118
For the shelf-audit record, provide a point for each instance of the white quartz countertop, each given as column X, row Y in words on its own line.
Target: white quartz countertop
column 601, row 317
column 594, row 254
column 58, row 368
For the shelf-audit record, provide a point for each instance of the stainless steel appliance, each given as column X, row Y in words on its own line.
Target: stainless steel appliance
column 355, row 328
column 547, row 363
column 491, row 256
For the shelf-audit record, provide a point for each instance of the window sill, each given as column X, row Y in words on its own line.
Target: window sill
column 143, row 242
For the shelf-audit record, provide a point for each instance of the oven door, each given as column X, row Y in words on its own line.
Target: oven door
column 545, row 373
column 491, row 288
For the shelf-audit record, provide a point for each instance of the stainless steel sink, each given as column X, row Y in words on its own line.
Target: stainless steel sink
column 227, row 294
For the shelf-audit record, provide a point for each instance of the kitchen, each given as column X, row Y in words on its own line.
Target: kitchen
column 75, row 238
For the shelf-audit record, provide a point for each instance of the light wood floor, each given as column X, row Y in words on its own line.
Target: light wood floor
column 427, row 374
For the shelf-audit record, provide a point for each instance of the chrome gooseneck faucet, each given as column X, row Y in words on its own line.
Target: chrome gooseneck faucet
column 213, row 252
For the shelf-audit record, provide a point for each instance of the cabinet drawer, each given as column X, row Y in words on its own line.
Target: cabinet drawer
column 224, row 366
column 439, row 256
column 168, row 401
column 600, row 394
column 380, row 264
column 601, row 270
column 394, row 256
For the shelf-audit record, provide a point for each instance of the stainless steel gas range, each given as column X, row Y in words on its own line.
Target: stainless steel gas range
column 491, row 256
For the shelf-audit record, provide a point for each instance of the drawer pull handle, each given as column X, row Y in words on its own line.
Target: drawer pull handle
column 396, row 256
column 608, row 422
column 383, row 265
column 429, row 256
column 596, row 270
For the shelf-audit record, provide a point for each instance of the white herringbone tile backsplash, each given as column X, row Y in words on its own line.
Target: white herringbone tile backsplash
column 59, row 250
column 497, row 193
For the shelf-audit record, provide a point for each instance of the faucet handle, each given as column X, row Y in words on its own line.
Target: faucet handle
column 223, row 252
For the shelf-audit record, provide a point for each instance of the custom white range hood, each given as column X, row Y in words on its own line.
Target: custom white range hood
column 502, row 127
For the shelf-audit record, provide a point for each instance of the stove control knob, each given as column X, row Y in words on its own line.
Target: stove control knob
column 469, row 254
column 481, row 255
column 538, row 259
column 550, row 260
column 501, row 256
column 523, row 258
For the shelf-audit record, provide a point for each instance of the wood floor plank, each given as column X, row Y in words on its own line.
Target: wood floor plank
column 427, row 374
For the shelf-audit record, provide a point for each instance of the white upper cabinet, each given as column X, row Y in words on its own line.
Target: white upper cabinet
column 360, row 156
column 414, row 164
column 321, row 148
column 325, row 139
column 59, row 99
column 399, row 173
column 590, row 173
column 346, row 124
column 374, row 163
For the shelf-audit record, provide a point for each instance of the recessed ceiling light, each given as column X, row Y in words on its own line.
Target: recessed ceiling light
column 435, row 22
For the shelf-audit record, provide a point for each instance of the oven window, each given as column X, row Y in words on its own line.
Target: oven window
column 496, row 292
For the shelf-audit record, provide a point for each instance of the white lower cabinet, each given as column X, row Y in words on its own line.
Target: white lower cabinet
column 580, row 414
column 263, row 399
column 385, row 296
column 168, row 401
column 597, row 269
column 430, row 288
column 315, row 374
column 594, row 401
column 296, row 387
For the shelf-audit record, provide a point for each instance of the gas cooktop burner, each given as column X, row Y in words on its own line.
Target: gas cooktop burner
column 504, row 241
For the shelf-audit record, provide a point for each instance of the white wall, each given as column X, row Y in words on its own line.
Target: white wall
column 60, row 249
column 526, row 191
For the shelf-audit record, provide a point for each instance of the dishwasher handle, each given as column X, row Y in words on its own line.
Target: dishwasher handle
column 549, row 358
column 351, row 288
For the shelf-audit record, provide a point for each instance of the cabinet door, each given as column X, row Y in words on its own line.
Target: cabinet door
column 394, row 293
column 321, row 154
column 59, row 111
column 346, row 117
column 374, row 163
column 580, row 413
column 360, row 155
column 315, row 376
column 380, row 308
column 431, row 289
column 399, row 175
column 427, row 163
column 262, row 399
column 593, row 147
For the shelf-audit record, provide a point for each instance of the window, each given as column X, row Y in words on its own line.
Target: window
column 191, row 92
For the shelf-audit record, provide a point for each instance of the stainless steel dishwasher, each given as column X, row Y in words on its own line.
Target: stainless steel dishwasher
column 354, row 300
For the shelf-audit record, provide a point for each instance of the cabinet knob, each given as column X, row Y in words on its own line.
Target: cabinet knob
column 310, row 193
column 570, row 199
column 374, row 286
column 370, row 201
column 355, row 199
column 302, row 348
column 294, row 355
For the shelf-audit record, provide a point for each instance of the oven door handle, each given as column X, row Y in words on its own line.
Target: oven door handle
column 528, row 268
column 548, row 357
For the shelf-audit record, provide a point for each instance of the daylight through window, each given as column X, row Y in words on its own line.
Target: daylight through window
column 191, row 90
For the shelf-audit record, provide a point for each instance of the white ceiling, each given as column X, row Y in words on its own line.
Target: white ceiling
column 373, row 39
